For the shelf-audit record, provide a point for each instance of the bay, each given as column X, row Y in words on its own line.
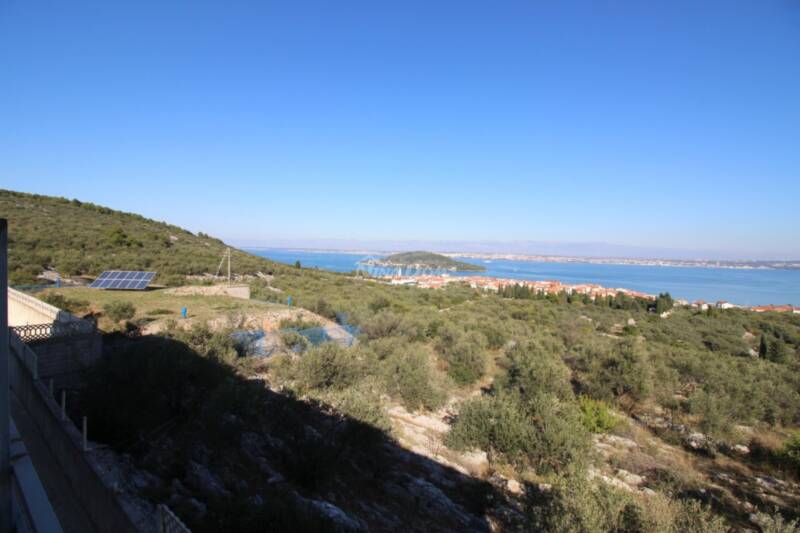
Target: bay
column 739, row 286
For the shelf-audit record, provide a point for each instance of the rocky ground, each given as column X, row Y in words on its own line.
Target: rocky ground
column 336, row 472
column 634, row 459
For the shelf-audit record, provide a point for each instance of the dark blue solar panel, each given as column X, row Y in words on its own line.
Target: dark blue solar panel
column 123, row 279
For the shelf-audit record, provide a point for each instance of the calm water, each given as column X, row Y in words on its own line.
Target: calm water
column 743, row 287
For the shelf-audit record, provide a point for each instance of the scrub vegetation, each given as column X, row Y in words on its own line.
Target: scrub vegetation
column 78, row 238
column 531, row 381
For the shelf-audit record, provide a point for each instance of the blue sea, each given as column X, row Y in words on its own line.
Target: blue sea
column 739, row 286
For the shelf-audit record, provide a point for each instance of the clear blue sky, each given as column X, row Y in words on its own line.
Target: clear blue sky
column 672, row 124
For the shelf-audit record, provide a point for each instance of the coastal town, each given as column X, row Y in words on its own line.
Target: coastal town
column 742, row 264
column 546, row 287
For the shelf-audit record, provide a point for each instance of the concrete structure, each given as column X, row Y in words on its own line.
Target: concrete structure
column 31, row 507
column 24, row 309
column 85, row 476
column 24, row 506
column 5, row 412
column 64, row 344
column 63, row 359
column 234, row 291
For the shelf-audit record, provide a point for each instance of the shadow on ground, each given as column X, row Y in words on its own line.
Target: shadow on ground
column 228, row 454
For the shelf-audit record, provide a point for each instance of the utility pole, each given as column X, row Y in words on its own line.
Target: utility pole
column 5, row 411
column 226, row 255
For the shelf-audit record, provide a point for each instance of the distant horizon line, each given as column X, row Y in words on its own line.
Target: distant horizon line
column 551, row 257
column 567, row 250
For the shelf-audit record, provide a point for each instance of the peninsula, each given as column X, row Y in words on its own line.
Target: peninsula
column 424, row 261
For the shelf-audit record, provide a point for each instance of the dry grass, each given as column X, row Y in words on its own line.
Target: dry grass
column 159, row 304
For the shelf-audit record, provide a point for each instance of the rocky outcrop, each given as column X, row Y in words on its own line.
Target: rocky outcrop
column 200, row 478
column 425, row 433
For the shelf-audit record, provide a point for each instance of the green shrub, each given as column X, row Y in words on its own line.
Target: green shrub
column 54, row 299
column 384, row 323
column 323, row 308
column 362, row 403
column 531, row 370
column 692, row 516
column 493, row 423
column 385, row 347
column 329, row 366
column 791, row 451
column 294, row 341
column 118, row 311
column 775, row 523
column 596, row 415
column 778, row 352
column 214, row 345
column 714, row 411
column 543, row 432
column 621, row 370
column 410, row 376
column 64, row 303
column 580, row 505
column 466, row 362
column 495, row 335
column 379, row 303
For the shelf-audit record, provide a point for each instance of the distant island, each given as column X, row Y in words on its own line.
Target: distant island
column 424, row 261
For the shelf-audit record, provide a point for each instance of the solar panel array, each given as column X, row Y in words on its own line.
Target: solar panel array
column 123, row 279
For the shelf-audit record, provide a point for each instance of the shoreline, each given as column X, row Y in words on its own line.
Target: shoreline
column 692, row 284
column 546, row 287
column 565, row 259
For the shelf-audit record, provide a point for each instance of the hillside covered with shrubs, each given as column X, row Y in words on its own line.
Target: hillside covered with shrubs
column 557, row 373
column 78, row 238
column 593, row 415
column 537, row 384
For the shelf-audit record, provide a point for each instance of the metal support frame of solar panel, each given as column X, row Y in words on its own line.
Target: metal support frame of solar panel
column 123, row 280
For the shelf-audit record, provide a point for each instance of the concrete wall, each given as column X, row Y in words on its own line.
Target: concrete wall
column 234, row 291
column 24, row 309
column 239, row 291
column 63, row 359
column 5, row 412
column 100, row 502
column 32, row 510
